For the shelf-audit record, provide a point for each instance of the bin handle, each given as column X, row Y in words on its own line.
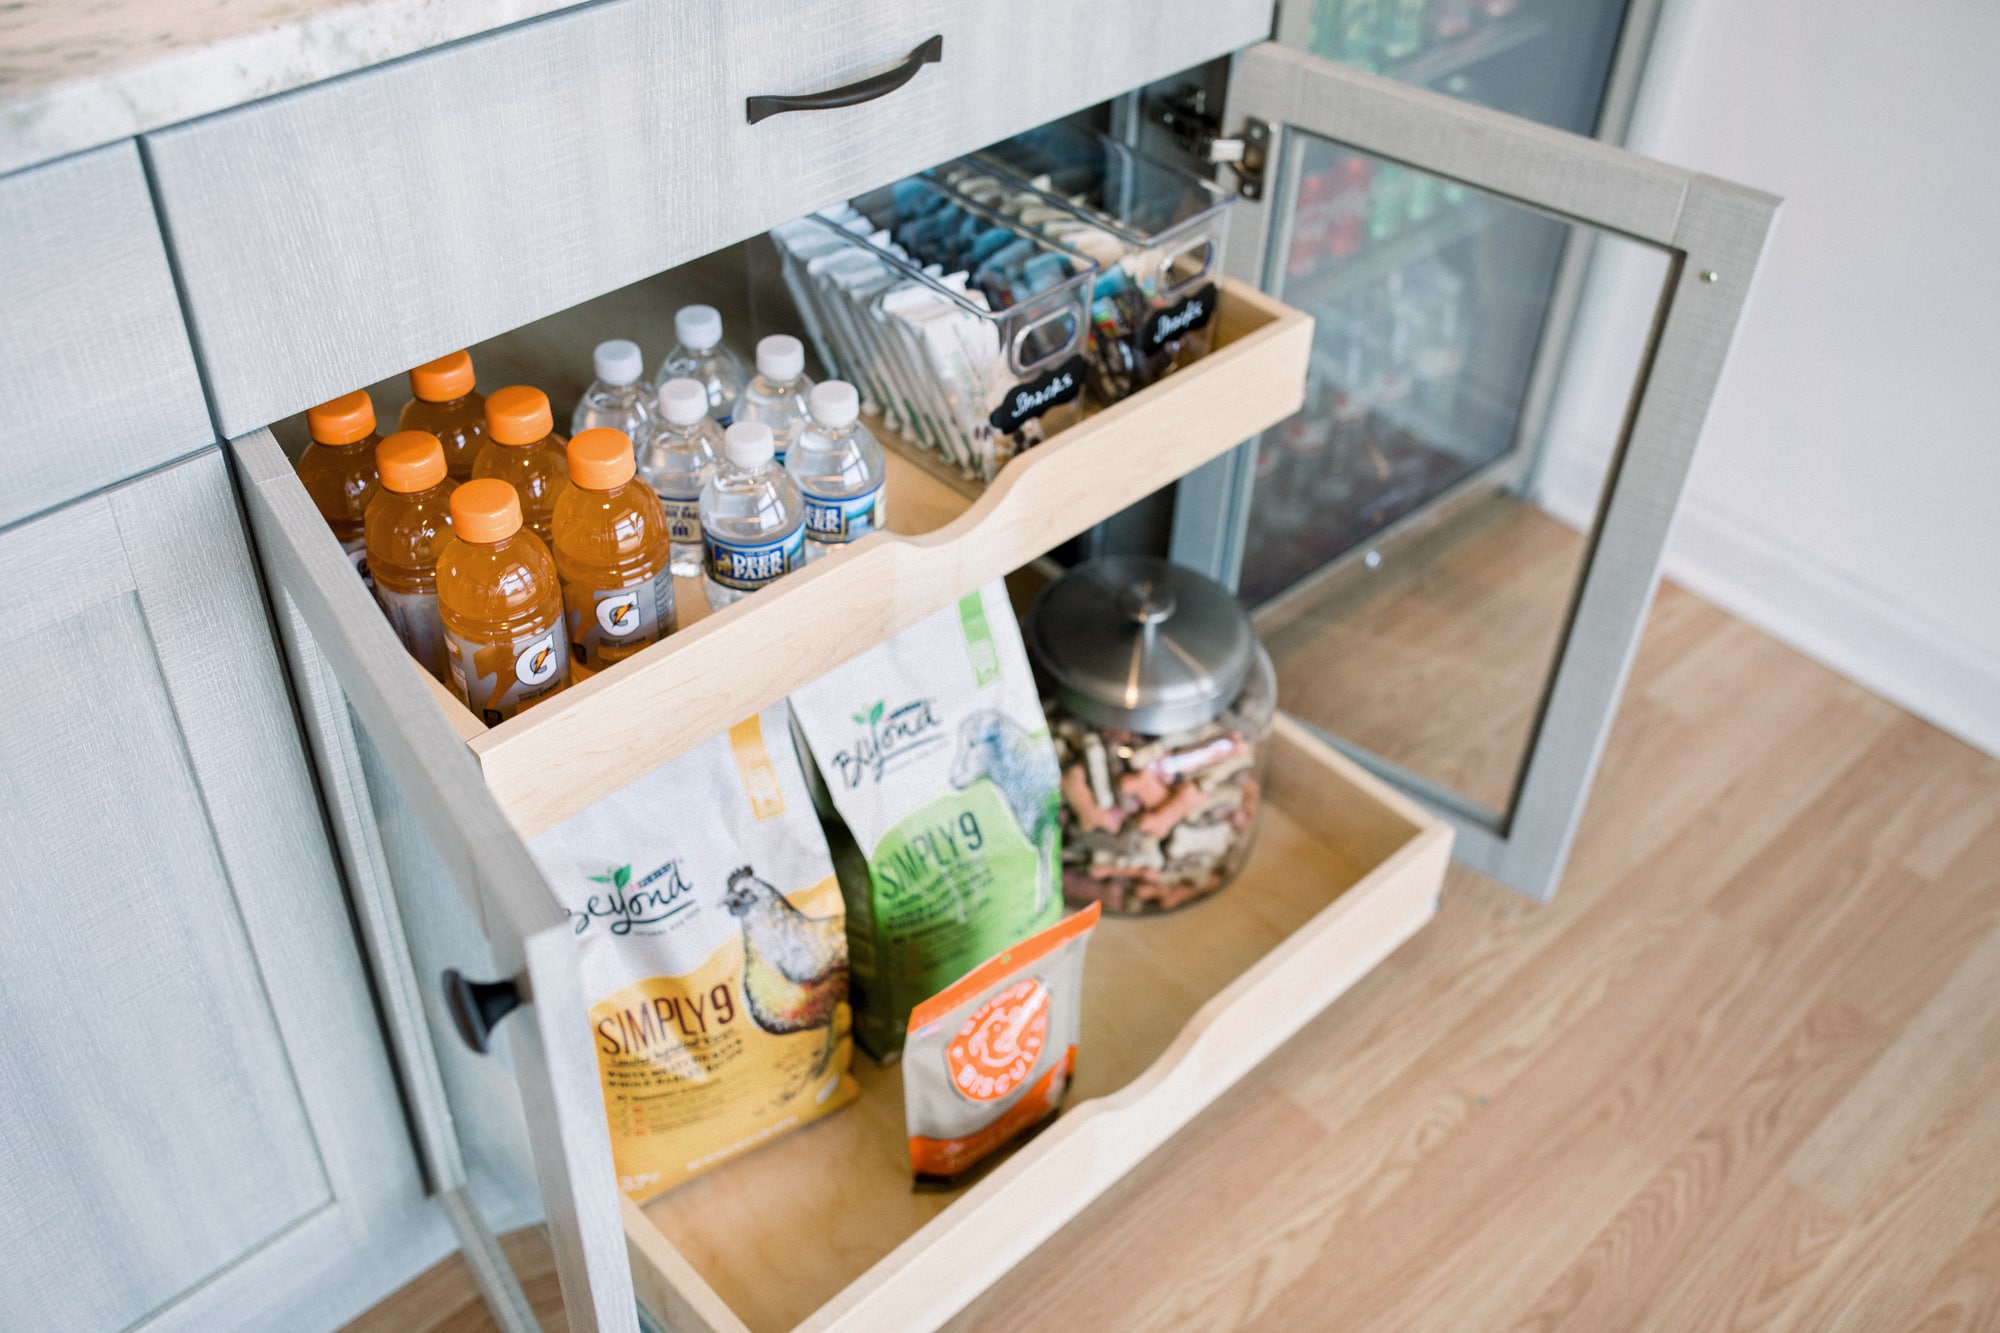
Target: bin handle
column 929, row 52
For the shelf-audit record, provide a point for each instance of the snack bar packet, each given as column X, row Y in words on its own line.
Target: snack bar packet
column 937, row 759
column 991, row 1056
column 713, row 950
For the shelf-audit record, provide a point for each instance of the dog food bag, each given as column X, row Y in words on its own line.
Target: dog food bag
column 991, row 1056
column 937, row 759
column 713, row 951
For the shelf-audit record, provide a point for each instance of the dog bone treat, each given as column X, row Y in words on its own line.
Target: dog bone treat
column 1161, row 703
column 990, row 1057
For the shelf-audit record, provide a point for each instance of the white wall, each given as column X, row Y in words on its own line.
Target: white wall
column 1847, row 493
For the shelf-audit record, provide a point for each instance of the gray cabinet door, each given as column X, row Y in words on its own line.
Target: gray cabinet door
column 202, row 1128
column 1511, row 695
column 97, row 381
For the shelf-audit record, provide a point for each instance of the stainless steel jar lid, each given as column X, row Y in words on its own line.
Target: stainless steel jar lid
column 1141, row 644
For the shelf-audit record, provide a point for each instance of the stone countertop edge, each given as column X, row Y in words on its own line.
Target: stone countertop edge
column 67, row 112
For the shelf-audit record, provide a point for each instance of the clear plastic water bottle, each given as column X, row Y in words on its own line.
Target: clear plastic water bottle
column 776, row 394
column 700, row 355
column 618, row 399
column 677, row 463
column 753, row 528
column 839, row 469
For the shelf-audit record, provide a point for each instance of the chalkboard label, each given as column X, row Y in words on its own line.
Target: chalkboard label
column 1178, row 320
column 1025, row 402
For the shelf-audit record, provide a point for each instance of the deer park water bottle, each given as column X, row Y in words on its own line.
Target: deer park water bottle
column 776, row 394
column 839, row 469
column 620, row 398
column 677, row 462
column 752, row 520
column 700, row 355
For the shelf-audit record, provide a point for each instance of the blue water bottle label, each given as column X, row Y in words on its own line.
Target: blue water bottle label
column 848, row 518
column 749, row 566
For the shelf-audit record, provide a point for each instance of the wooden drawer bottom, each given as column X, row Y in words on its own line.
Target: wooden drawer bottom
column 823, row 1229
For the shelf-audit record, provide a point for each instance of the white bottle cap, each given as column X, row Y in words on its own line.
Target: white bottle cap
column 781, row 358
column 619, row 362
column 683, row 401
column 698, row 327
column 748, row 444
column 834, row 403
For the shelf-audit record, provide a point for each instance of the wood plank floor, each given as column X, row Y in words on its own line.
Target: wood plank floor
column 1743, row 1073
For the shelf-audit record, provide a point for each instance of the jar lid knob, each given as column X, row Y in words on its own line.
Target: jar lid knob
column 1146, row 603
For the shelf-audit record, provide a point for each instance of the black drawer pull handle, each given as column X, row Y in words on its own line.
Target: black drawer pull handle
column 867, row 90
column 478, row 1006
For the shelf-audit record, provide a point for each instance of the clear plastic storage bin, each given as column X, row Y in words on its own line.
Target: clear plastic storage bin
column 1154, row 231
column 965, row 332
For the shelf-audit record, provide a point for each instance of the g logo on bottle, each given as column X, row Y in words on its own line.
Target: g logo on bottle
column 537, row 662
column 618, row 614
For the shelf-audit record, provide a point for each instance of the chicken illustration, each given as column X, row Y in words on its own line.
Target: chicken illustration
column 993, row 745
column 794, row 965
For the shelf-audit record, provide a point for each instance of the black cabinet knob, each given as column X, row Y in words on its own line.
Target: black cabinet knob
column 478, row 1006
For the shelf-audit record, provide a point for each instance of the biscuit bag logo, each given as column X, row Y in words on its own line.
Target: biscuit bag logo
column 995, row 1049
column 618, row 614
column 537, row 662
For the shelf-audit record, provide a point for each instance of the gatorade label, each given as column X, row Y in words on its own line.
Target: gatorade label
column 683, row 520
column 498, row 680
column 850, row 518
column 609, row 625
column 749, row 567
column 357, row 553
column 414, row 617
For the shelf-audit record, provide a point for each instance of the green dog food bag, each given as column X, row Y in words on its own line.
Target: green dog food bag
column 937, row 760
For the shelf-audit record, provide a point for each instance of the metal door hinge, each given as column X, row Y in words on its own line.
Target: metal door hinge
column 1184, row 113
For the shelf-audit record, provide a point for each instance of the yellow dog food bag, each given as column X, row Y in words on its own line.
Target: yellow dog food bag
column 713, row 949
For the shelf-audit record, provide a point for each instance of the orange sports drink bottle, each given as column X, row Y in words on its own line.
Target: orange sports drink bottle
column 409, row 521
column 501, row 605
column 613, row 552
column 523, row 450
column 449, row 407
column 338, row 469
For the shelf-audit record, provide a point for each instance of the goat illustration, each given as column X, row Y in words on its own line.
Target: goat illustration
column 993, row 745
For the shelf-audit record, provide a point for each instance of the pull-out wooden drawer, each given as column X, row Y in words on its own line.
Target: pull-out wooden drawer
column 343, row 232
column 97, row 382
column 822, row 1230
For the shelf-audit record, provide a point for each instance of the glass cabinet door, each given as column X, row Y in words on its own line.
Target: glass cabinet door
column 1395, row 539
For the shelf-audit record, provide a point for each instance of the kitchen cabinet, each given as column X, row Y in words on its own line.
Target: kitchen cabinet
column 525, row 192
column 97, row 381
column 203, row 1128
column 1356, row 864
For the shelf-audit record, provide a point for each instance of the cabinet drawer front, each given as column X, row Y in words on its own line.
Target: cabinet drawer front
column 335, row 235
column 96, row 379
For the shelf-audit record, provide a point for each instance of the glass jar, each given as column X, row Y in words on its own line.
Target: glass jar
column 1160, row 700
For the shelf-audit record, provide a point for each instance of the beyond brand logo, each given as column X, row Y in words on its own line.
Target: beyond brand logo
column 661, row 893
column 888, row 740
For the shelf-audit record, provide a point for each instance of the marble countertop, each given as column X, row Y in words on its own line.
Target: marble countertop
column 75, row 74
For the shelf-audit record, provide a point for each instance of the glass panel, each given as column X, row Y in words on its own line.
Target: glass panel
column 1404, row 553
column 1545, row 60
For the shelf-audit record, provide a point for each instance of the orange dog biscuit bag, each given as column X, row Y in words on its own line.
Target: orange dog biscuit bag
column 713, row 948
column 989, row 1057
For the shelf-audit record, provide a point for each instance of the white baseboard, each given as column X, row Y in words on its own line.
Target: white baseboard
column 1904, row 658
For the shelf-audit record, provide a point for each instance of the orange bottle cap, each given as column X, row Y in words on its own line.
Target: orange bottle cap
column 410, row 461
column 440, row 381
column 518, row 414
column 342, row 420
column 485, row 510
column 601, row 458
